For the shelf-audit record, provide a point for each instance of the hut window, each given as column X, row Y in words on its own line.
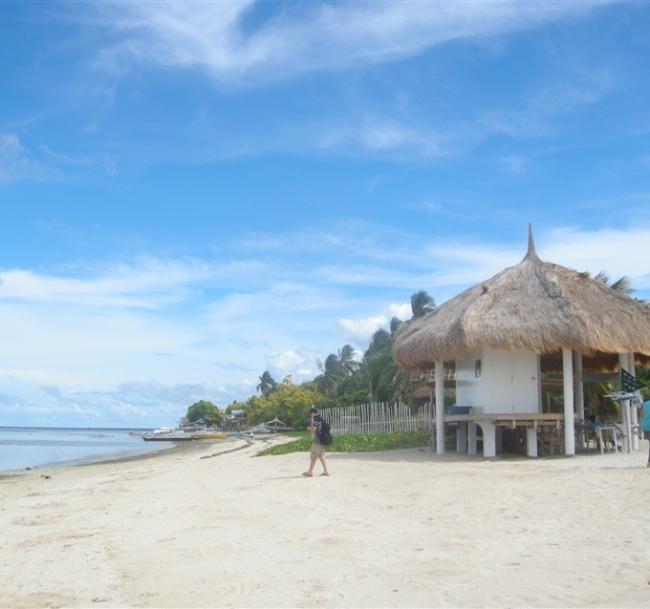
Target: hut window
column 477, row 368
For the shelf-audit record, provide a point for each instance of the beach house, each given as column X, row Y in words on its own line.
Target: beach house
column 503, row 335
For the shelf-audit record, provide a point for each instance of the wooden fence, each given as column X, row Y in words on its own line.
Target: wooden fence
column 379, row 417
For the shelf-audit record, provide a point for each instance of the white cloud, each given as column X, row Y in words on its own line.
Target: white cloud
column 219, row 37
column 383, row 135
column 17, row 163
column 401, row 311
column 359, row 331
column 299, row 363
column 95, row 341
column 610, row 249
column 147, row 283
column 105, row 163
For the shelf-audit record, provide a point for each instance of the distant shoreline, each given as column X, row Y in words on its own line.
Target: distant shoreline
column 135, row 454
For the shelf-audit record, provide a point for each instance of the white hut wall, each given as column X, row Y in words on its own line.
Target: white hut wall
column 510, row 381
column 469, row 380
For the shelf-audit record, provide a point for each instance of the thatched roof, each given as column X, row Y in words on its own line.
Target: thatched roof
column 534, row 306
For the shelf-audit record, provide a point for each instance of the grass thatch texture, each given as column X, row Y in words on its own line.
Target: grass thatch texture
column 534, row 306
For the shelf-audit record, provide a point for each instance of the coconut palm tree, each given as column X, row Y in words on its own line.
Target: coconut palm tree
column 267, row 384
column 622, row 285
column 331, row 375
column 347, row 360
column 379, row 370
column 421, row 304
column 380, row 341
column 395, row 324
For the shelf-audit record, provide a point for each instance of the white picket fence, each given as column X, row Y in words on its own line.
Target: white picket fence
column 381, row 417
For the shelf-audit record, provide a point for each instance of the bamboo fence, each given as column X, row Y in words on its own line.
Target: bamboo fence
column 380, row 417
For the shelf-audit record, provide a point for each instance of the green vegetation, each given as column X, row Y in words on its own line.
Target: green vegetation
column 354, row 443
column 267, row 384
column 344, row 379
column 205, row 411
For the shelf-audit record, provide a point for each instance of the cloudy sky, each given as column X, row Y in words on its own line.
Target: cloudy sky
column 194, row 193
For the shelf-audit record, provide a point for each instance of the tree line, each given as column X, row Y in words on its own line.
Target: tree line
column 344, row 379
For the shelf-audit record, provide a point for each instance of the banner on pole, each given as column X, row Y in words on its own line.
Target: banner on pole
column 630, row 383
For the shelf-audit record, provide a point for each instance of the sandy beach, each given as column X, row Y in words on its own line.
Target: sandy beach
column 394, row 529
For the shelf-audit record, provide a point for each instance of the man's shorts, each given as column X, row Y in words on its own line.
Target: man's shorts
column 317, row 450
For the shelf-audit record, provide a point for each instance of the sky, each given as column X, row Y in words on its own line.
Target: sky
column 193, row 193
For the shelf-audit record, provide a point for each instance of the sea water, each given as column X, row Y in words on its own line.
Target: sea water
column 22, row 447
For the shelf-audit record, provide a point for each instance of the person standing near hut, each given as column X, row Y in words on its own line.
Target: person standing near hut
column 317, row 448
column 645, row 424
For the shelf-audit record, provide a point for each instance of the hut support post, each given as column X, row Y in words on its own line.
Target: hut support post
column 624, row 363
column 569, row 422
column 461, row 438
column 489, row 439
column 432, row 421
column 471, row 438
column 440, row 408
column 531, row 441
column 635, row 413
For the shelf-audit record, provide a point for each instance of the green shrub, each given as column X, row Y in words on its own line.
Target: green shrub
column 354, row 443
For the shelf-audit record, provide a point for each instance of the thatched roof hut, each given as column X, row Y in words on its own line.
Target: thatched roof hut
column 534, row 306
column 499, row 332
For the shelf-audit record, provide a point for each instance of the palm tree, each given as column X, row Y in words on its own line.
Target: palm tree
column 346, row 358
column 332, row 373
column 380, row 371
column 380, row 341
column 395, row 324
column 421, row 304
column 267, row 384
column 622, row 285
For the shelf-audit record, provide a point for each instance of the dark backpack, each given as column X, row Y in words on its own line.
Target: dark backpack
column 325, row 435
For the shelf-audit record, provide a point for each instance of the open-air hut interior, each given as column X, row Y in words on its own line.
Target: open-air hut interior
column 514, row 336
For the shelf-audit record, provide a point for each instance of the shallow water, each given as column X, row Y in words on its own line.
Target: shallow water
column 22, row 447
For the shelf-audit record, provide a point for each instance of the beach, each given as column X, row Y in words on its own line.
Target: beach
column 217, row 526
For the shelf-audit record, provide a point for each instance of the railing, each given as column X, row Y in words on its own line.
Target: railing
column 381, row 417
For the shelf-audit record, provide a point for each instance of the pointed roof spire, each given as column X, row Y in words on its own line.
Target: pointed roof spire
column 531, row 254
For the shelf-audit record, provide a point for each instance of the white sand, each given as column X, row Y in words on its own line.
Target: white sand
column 398, row 529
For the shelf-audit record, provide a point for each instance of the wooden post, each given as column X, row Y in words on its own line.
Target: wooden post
column 569, row 423
column 440, row 407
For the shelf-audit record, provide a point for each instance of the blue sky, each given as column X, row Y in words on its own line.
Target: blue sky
column 194, row 193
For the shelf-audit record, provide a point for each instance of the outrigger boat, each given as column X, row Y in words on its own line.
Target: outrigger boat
column 183, row 436
column 168, row 436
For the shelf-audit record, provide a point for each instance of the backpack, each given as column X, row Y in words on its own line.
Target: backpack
column 324, row 435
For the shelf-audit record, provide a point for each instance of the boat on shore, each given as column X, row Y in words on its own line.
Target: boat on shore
column 179, row 435
column 168, row 436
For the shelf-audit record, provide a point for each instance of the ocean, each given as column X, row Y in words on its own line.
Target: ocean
column 22, row 447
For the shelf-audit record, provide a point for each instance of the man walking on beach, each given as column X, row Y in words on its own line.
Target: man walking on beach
column 317, row 449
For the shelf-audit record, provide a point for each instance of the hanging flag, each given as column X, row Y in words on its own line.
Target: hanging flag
column 630, row 383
